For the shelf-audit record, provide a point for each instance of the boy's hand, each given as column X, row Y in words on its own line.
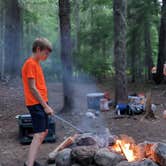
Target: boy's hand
column 48, row 110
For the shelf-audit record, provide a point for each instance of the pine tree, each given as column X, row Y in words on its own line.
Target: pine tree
column 120, row 50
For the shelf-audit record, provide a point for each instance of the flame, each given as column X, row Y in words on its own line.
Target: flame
column 124, row 148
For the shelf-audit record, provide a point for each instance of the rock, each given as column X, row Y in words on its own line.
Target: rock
column 83, row 155
column 144, row 150
column 159, row 153
column 75, row 165
column 63, row 158
column 51, row 157
column 86, row 140
column 106, row 158
column 146, row 162
column 90, row 115
column 101, row 140
column 112, row 139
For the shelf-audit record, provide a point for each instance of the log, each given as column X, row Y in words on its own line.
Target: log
column 67, row 142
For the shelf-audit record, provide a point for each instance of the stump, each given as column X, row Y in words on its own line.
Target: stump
column 149, row 113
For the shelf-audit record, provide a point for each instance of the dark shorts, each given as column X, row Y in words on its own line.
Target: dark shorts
column 39, row 118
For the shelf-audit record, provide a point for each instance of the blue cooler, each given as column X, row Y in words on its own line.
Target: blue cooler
column 93, row 100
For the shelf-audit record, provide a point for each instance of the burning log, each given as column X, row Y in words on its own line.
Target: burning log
column 66, row 143
column 125, row 146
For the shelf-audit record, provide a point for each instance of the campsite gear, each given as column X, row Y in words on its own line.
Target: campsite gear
column 93, row 100
column 90, row 115
column 137, row 104
column 26, row 130
column 68, row 123
column 136, row 108
column 153, row 107
column 104, row 104
column 122, row 109
column 137, row 99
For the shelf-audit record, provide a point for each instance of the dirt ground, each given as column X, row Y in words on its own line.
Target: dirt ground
column 12, row 153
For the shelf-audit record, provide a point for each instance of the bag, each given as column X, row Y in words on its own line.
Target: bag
column 122, row 109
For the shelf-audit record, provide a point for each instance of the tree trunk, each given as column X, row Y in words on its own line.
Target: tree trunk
column 64, row 15
column 77, row 24
column 162, row 43
column 2, row 48
column 149, row 113
column 120, row 50
column 133, row 57
column 12, row 38
column 148, row 49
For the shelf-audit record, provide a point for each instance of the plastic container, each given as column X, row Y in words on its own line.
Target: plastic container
column 93, row 100
column 104, row 105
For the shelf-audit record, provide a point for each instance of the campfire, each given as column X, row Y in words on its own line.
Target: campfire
column 126, row 147
column 99, row 150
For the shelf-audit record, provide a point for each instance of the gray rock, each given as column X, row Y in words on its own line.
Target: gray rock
column 86, row 140
column 112, row 139
column 159, row 153
column 75, row 165
column 146, row 162
column 102, row 140
column 83, row 155
column 63, row 158
column 106, row 158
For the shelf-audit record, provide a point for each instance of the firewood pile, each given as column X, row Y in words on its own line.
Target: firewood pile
column 107, row 150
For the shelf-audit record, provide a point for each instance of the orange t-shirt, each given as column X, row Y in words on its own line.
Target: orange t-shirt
column 32, row 69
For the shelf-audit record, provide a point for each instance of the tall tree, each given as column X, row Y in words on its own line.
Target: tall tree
column 120, row 50
column 2, row 36
column 162, row 43
column 66, row 58
column 12, row 37
column 77, row 23
column 148, row 49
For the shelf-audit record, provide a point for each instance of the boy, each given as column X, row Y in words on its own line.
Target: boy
column 35, row 92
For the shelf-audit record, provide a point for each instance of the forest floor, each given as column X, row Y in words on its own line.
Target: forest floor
column 12, row 153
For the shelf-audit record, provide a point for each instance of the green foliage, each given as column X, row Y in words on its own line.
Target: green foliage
column 95, row 38
column 94, row 54
column 139, row 14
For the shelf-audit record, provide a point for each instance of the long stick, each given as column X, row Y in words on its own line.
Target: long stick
column 70, row 124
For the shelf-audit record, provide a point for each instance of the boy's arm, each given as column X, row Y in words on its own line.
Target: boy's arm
column 36, row 94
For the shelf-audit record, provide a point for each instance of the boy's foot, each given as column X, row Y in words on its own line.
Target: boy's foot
column 35, row 164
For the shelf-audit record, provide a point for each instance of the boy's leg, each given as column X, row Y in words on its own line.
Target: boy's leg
column 34, row 147
column 40, row 127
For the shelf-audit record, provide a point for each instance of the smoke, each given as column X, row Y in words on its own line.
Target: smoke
column 81, row 88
